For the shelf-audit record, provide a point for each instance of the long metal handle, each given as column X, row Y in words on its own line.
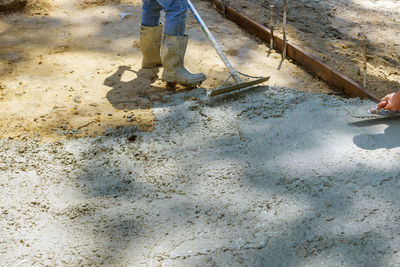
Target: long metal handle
column 214, row 43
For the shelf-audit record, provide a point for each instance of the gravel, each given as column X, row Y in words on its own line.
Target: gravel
column 266, row 177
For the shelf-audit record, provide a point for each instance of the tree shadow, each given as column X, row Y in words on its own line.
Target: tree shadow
column 183, row 209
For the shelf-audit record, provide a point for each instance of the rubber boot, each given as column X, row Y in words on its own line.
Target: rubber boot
column 150, row 41
column 172, row 52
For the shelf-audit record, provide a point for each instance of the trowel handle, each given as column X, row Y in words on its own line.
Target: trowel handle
column 214, row 43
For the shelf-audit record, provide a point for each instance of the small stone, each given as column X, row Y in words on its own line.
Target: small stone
column 330, row 219
column 77, row 99
column 73, row 131
column 109, row 114
column 108, row 131
column 132, row 138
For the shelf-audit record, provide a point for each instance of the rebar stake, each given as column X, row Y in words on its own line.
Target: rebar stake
column 271, row 26
column 365, row 42
column 284, row 30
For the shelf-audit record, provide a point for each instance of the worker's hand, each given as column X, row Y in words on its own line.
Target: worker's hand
column 390, row 102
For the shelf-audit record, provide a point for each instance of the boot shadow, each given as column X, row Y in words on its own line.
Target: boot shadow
column 139, row 93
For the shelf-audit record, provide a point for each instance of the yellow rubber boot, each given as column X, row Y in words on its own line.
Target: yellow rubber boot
column 173, row 49
column 150, row 41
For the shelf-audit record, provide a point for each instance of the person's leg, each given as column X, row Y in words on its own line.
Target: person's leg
column 174, row 43
column 175, row 16
column 151, row 11
column 172, row 52
column 150, row 34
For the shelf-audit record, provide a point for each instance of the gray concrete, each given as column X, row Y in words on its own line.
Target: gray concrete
column 270, row 177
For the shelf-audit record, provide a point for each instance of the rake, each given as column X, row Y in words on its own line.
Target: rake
column 239, row 84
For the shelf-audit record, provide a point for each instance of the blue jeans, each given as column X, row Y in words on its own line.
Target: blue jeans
column 175, row 15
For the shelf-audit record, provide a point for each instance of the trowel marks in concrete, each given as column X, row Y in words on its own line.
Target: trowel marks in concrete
column 267, row 177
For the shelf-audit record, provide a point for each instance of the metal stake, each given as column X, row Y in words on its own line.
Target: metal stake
column 271, row 26
column 284, row 30
column 365, row 42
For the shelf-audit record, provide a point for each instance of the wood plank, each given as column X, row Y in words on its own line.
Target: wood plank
column 311, row 63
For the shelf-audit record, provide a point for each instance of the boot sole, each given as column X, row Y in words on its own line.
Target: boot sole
column 172, row 85
column 151, row 66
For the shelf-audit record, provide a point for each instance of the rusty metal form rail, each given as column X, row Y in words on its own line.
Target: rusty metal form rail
column 311, row 63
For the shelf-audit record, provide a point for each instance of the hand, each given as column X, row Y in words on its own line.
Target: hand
column 390, row 102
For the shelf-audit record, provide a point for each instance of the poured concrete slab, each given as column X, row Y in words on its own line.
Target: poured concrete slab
column 266, row 177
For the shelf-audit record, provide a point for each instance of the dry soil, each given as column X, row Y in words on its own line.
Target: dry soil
column 74, row 69
column 329, row 29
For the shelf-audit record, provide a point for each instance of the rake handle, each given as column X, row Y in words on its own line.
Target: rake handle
column 214, row 43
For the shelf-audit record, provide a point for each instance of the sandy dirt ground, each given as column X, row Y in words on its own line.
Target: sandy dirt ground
column 329, row 30
column 101, row 166
column 75, row 72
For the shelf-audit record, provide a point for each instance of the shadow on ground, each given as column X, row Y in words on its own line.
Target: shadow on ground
column 389, row 139
column 182, row 198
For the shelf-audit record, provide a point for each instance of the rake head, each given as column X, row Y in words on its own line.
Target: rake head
column 226, row 89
